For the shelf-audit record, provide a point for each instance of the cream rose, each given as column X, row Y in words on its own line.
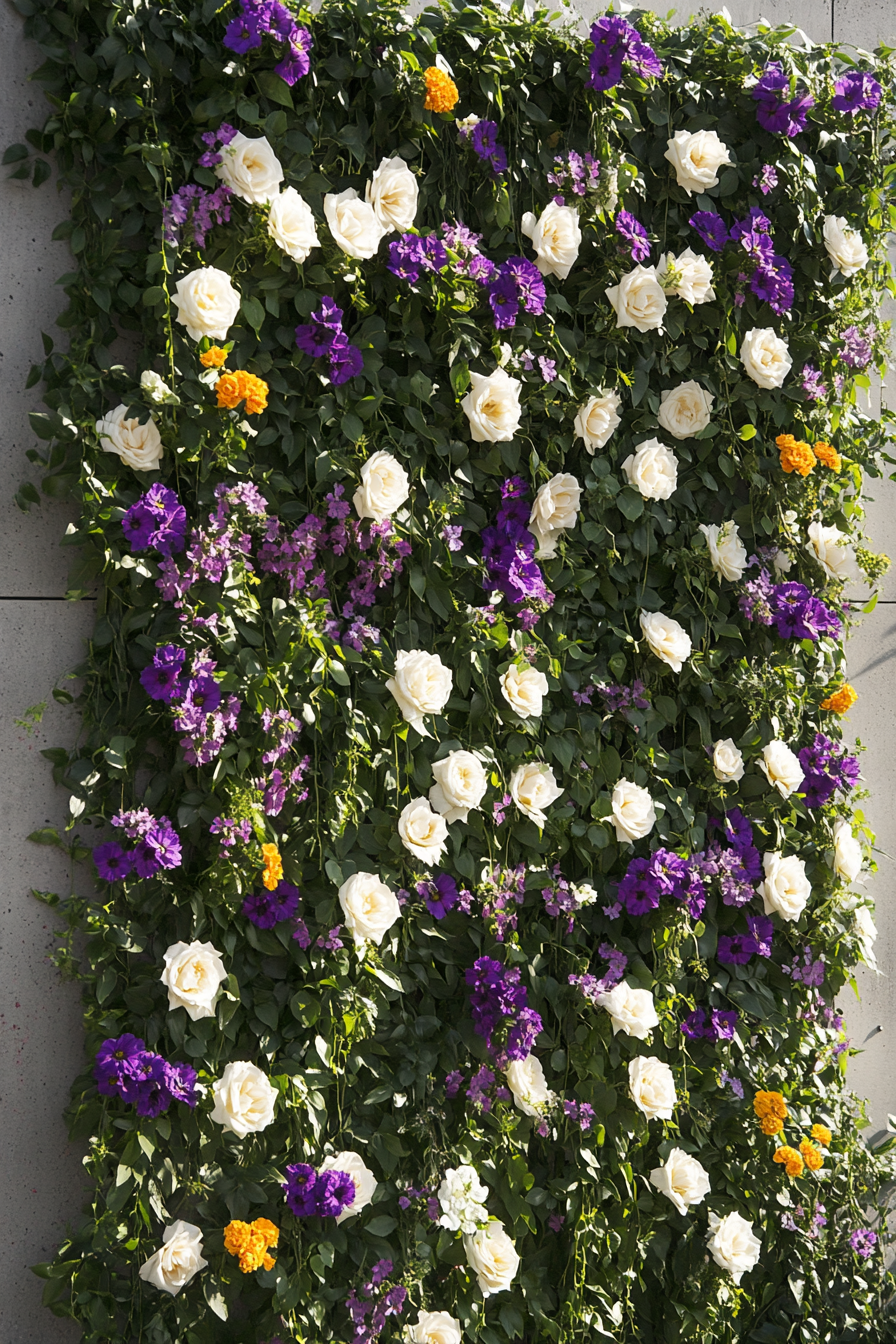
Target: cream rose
column 492, row 407
column 727, row 761
column 634, row 815
column 696, row 157
column 421, row 685
column 639, row 300
column 685, row 409
column 667, row 639
column 460, row 785
column 846, row 857
column 732, row 1245
column 193, row 976
column 781, row 767
column 244, row 1099
column 556, row 238
column 786, row 888
column 866, row 932
column 555, row 509
column 384, row 487
column 682, row 1179
column 207, row 303
column 178, row 1260
column 434, row 1327
column 597, row 419
column 652, row 469
column 831, row 548
column 652, row 1087
column 292, row 225
column 138, row 446
column 250, row 168
column 727, row 553
column 363, row 1177
column 423, row 831
column 155, row 387
column 492, row 1257
column 524, row 689
column 844, row 246
column 353, row 224
column 392, row 191
column 526, row 1080
column 533, row 788
column 688, row 275
column 369, row 908
column 765, row 357
column 631, row 1010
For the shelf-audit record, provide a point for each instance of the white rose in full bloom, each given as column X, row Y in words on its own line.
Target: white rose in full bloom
column 193, row 976
column 781, row 767
column 526, row 1080
column 727, row 553
column 727, row 761
column 292, row 225
column 460, row 785
column 639, row 299
column 844, row 246
column 369, row 908
column 384, row 487
column 533, row 788
column 696, row 157
column 423, row 831
column 866, row 932
column 492, row 406
column 553, row 511
column 155, row 387
column 786, row 888
column 492, row 1257
column 363, row 1177
column 682, row 1179
column 765, row 357
column 178, row 1260
column 244, row 1099
column 434, row 1327
column 250, row 168
column 207, row 303
column 831, row 548
column 685, row 409
column 392, row 191
column 556, row 238
column 652, row 469
column 524, row 689
column 667, row 639
column 688, row 275
column 138, row 446
column 421, row 685
column 462, row 1198
column 633, row 811
column 652, row 1087
column 596, row 420
column 631, row 1010
column 732, row 1245
column 353, row 224
column 846, row 856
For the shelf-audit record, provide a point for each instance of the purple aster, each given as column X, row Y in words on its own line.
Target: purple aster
column 711, row 228
column 407, row 257
column 113, row 1058
column 334, row 1191
column 112, row 863
column 138, row 525
column 639, row 890
column 735, row 950
column 761, row 932
column 694, row 1025
column 863, row 1242
column 300, row 1186
column 634, row 235
column 161, row 682
column 856, row 91
column 267, row 908
column 164, row 842
column 479, row 268
column 504, row 301
column 440, row 895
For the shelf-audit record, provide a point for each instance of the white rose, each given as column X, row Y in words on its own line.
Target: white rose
column 250, row 168
column 631, row 1010
column 554, row 509
column 492, row 1257
column 831, row 548
column 652, row 469
column 781, row 767
column 533, row 788
column 353, row 224
column 596, row 420
column 193, row 976
column 155, row 387
column 732, row 1244
column 846, row 857
column 421, row 685
column 369, row 908
column 462, row 1198
column 384, row 487
column 207, row 303
column 524, row 689
column 688, row 275
column 844, row 246
column 667, row 639
column 392, row 191
column 292, row 226
column 765, row 357
column 556, row 238
column 138, row 446
column 782, row 562
column 526, row 1080
column 244, row 1099
column 363, row 1177
column 682, row 1179
column 460, row 785
column 866, row 932
column 633, row 811
column 652, row 1087
column 696, row 157
column 727, row 761
column 786, row 888
column 434, row 1327
column 492, row 407
column 685, row 409
column 638, row 300
column 727, row 553
column 423, row 831
column 179, row 1259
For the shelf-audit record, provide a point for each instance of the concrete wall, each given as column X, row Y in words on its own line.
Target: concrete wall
column 41, row 637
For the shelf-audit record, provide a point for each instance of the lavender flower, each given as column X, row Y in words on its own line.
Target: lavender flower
column 767, row 180
column 509, row 551
column 856, row 91
column 499, row 1007
column 863, row 1242
column 325, row 1194
column 775, row 113
column 712, row 229
column 324, row 338
column 157, row 519
column 591, row 987
column 633, row 235
column 124, row 1068
column 616, row 43
column 826, row 768
column 192, row 212
column 260, row 18
column 813, row 387
column 483, row 140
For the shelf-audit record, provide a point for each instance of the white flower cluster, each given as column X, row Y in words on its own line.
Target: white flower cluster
column 462, row 1199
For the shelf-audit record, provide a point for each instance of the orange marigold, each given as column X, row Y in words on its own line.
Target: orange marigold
column 842, row 700
column 795, row 455
column 771, row 1125
column 228, row 390
column 232, row 388
column 770, row 1104
column 821, row 1134
column 828, row 455
column 790, row 1159
column 213, row 357
column 273, row 866
column 441, row 90
column 250, row 1242
column 812, row 1156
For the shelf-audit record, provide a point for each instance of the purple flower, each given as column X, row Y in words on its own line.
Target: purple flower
column 813, row 387
column 453, row 1083
column 863, row 1242
column 161, row 681
column 761, row 932
column 856, row 91
column 639, row 889
column 736, row 950
column 440, row 895
column 483, row 139
column 299, row 1187
column 452, row 536
column 711, row 228
column 504, row 301
column 180, row 1080
column 317, row 336
column 113, row 1058
column 334, row 1191
column 164, row 843
column 615, row 42
column 634, row 235
column 407, row 257
column 112, row 863
column 856, row 350
column 767, row 180
column 267, row 908
column 775, row 114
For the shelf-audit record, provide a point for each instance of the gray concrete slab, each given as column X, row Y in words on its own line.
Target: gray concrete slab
column 865, row 23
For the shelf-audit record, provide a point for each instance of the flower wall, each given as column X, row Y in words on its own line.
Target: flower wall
column 469, row 820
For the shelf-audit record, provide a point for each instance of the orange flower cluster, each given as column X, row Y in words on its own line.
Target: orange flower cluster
column 842, row 700
column 790, row 1159
column 250, row 1241
column 441, row 90
column 232, row 388
column 273, row 867
column 812, row 1156
column 828, row 455
column 771, row 1109
column 795, row 455
column 821, row 1134
column 213, row 357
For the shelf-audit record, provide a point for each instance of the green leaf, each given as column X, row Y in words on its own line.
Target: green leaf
column 381, row 1226
column 275, row 89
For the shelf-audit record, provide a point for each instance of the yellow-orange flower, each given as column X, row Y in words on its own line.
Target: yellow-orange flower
column 232, row 388
column 795, row 455
column 790, row 1159
column 250, row 1242
column 770, row 1104
column 842, row 700
column 213, row 358
column 812, row 1156
column 441, row 90
column 821, row 1134
column 828, row 455
column 273, row 866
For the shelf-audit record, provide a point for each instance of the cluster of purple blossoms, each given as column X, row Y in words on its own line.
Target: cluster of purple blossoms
column 863, row 1242
column 377, row 1302
column 736, row 864
column 617, row 43
column 775, row 111
column 201, row 712
column 580, row 1113
column 439, row 894
column 282, row 729
column 790, row 607
column 518, row 283
column 633, row 235
column 411, row 255
column 214, row 549
column 266, row 908
column 192, row 212
column 470, row 261
column 503, row 890
column 482, row 1092
column 856, row 91
column 231, row 831
column 215, row 141
column 716, row 1025
column 591, row 987
column 574, row 173
column 770, row 275
column 258, row 18
column 856, row 349
column 413, row 1193
column 560, row 898
column 739, row 948
column 508, row 549
column 157, row 519
column 156, row 845
column 621, row 699
column 324, row 338
column 483, row 140
column 729, row 1080
column 808, row 972
column 813, row 386
column 499, row 1006
column 546, row 367
column 324, row 1194
column 826, row 768
column 791, row 1220
column 125, row 1068
column 766, row 180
